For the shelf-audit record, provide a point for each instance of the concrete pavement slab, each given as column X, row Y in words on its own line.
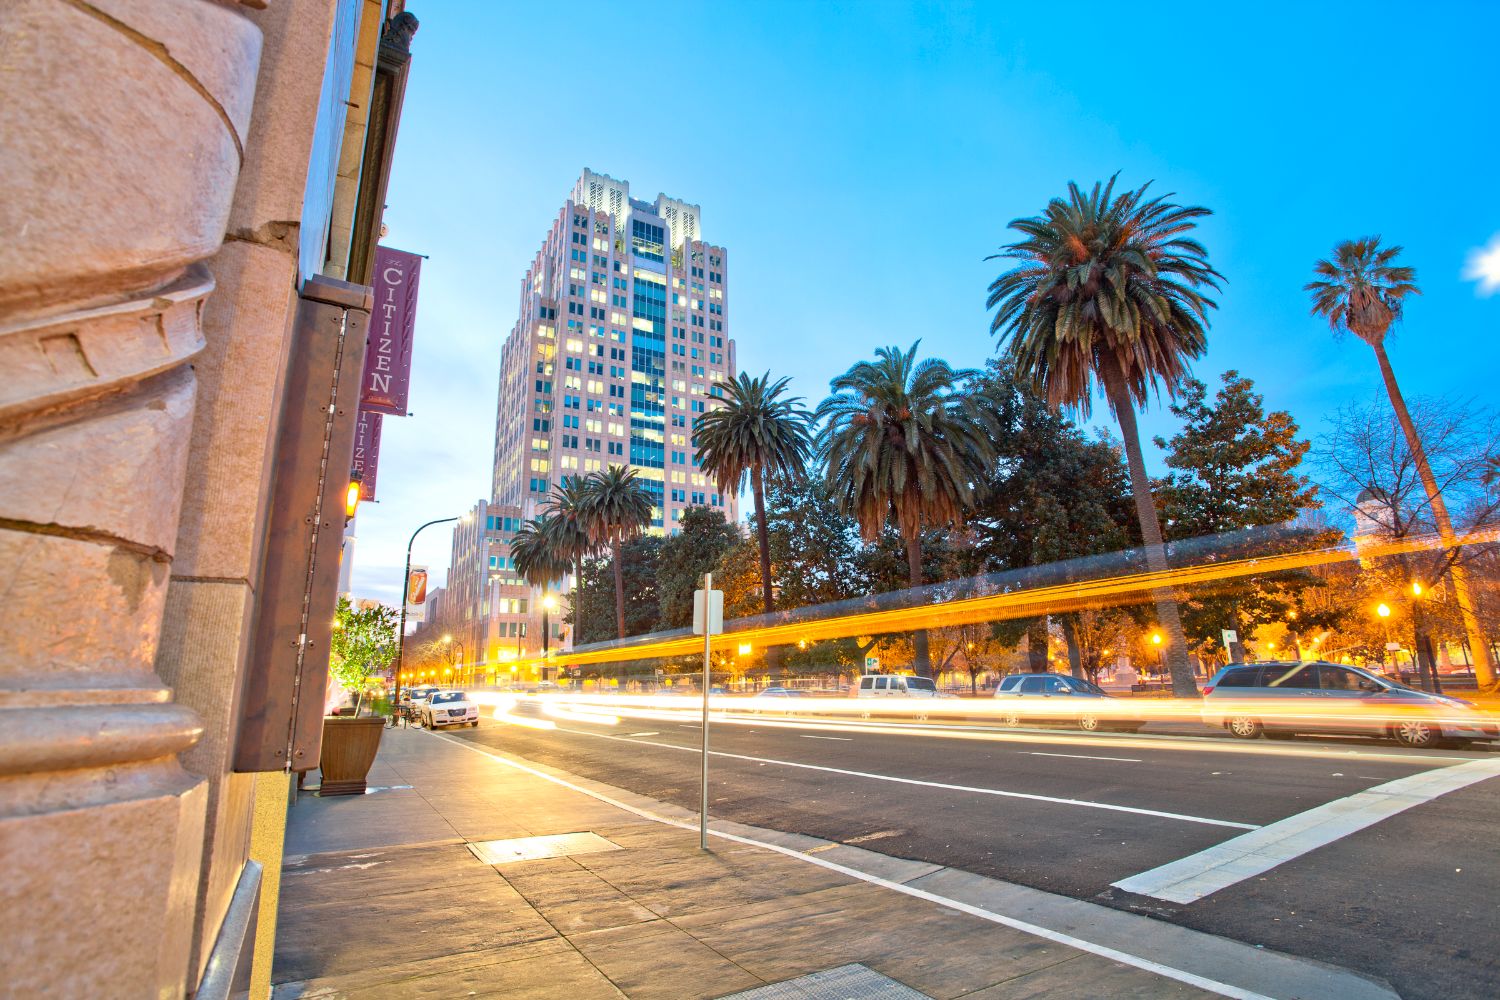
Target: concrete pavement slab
column 658, row 959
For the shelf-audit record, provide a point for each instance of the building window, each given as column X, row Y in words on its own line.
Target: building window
column 646, row 240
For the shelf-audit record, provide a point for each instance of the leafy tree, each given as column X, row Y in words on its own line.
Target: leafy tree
column 1109, row 288
column 1052, row 495
column 1362, row 290
column 616, row 509
column 1236, row 466
column 738, row 575
column 754, row 431
column 696, row 549
column 364, row 641
column 903, row 445
column 1365, row 462
column 815, row 548
column 637, row 566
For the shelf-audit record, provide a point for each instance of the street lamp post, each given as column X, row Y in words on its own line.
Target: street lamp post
column 401, row 631
column 1383, row 612
column 549, row 604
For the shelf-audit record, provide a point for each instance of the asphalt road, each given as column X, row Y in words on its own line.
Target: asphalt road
column 1413, row 899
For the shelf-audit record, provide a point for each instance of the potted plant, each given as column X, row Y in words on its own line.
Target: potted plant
column 363, row 640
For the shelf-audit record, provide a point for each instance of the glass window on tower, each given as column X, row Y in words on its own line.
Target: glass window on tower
column 647, row 240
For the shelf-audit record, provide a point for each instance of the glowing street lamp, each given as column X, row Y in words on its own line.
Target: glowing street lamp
column 1383, row 610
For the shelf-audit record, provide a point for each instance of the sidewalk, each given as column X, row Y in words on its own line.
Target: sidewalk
column 383, row 897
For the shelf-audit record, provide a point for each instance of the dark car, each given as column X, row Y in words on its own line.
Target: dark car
column 1289, row 697
column 1059, row 698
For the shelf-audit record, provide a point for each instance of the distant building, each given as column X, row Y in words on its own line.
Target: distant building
column 486, row 605
column 621, row 340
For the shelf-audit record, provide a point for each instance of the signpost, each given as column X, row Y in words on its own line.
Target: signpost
column 1232, row 647
column 708, row 621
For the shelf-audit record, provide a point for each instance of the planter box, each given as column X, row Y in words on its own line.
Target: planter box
column 349, row 748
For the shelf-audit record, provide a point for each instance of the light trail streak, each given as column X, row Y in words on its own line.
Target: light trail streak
column 599, row 719
column 809, row 718
column 1022, row 602
column 1314, row 712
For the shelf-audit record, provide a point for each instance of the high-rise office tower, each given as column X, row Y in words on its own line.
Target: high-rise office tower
column 621, row 341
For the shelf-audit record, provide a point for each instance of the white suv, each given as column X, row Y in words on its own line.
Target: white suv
column 448, row 708
column 893, row 686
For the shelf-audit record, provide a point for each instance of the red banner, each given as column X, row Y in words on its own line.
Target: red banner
column 388, row 356
column 366, row 463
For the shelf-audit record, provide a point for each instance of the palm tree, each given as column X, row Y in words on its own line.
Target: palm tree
column 902, row 445
column 1362, row 291
column 754, row 432
column 617, row 508
column 535, row 552
column 1108, row 288
column 567, row 518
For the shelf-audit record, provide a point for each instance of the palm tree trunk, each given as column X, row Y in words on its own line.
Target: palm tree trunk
column 1183, row 684
column 922, row 660
column 758, row 491
column 619, row 589
column 1484, row 665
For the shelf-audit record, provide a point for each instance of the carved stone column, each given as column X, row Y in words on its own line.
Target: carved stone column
column 122, row 133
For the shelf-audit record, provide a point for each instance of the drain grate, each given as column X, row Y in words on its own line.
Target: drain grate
column 847, row 982
column 499, row 852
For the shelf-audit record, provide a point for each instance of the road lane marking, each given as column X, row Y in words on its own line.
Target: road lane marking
column 1189, row 879
column 652, row 733
column 841, row 739
column 1079, row 756
column 1051, row 799
column 1036, row 930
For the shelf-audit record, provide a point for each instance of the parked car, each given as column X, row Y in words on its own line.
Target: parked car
column 412, row 699
column 448, row 708
column 773, row 699
column 779, row 692
column 895, row 686
column 1289, row 697
column 1058, row 698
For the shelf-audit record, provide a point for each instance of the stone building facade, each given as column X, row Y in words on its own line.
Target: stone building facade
column 176, row 172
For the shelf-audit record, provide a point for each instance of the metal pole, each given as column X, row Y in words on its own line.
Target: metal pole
column 401, row 630
column 708, row 588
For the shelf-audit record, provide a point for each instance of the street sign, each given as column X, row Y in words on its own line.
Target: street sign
column 1230, row 637
column 872, row 664
column 1394, row 647
column 715, row 612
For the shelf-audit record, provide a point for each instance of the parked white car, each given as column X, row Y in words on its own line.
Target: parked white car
column 448, row 708
column 895, row 686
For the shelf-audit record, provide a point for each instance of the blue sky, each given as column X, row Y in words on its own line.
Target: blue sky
column 859, row 161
